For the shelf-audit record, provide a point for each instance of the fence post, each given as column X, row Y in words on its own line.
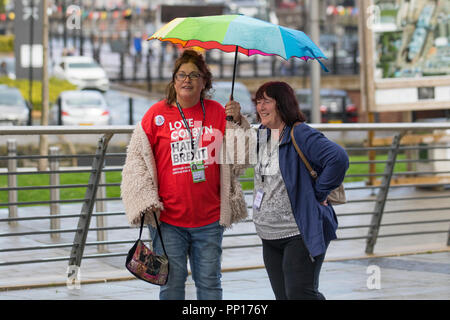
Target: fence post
column 238, row 70
column 135, row 63
column 79, row 241
column 91, row 38
column 59, row 111
column 335, row 60
column 12, row 180
column 272, row 66
column 255, row 66
column 130, row 111
column 292, row 67
column 122, row 67
column 382, row 195
column 448, row 237
column 100, row 206
column 149, row 73
column 221, row 65
column 55, row 224
column 355, row 60
column 161, row 64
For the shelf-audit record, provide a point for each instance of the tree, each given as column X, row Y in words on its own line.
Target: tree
column 43, row 142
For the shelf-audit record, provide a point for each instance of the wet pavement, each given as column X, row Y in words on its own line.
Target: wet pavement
column 417, row 277
column 416, row 266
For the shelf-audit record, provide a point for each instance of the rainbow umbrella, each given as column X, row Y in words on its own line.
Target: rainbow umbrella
column 239, row 33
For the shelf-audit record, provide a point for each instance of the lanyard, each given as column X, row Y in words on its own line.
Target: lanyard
column 193, row 146
column 262, row 167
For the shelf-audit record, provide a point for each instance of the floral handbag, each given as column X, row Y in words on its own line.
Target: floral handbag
column 145, row 264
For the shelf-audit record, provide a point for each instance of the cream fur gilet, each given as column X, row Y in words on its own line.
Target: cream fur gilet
column 139, row 187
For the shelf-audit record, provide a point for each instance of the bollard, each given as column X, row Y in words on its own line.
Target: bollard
column 12, row 180
column 100, row 206
column 55, row 224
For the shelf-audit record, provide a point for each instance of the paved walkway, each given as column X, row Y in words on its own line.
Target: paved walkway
column 421, row 276
column 409, row 267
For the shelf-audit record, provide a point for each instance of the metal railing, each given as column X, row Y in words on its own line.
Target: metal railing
column 368, row 197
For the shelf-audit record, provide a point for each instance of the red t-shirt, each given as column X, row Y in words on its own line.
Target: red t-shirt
column 186, row 204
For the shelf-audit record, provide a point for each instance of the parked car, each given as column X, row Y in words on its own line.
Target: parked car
column 221, row 91
column 87, row 107
column 335, row 105
column 119, row 105
column 84, row 72
column 14, row 109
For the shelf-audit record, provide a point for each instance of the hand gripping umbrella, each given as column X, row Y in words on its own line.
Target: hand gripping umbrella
column 239, row 33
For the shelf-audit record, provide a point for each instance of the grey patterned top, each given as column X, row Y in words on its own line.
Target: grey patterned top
column 274, row 219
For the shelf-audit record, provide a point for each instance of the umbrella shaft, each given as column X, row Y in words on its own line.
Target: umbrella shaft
column 234, row 72
column 230, row 118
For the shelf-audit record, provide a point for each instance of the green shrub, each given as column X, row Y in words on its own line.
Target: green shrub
column 6, row 43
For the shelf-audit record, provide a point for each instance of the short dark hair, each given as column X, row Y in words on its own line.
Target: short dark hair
column 287, row 103
column 197, row 59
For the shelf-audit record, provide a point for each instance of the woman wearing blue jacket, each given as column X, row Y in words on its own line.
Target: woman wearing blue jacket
column 290, row 209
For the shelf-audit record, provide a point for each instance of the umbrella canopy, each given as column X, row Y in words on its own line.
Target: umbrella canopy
column 250, row 35
column 239, row 33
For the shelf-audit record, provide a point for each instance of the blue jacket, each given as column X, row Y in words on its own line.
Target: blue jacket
column 317, row 223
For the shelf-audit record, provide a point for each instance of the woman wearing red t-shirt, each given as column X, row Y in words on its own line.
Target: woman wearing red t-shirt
column 171, row 169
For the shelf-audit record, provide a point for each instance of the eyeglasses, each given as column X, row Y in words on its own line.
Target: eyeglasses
column 181, row 76
column 264, row 101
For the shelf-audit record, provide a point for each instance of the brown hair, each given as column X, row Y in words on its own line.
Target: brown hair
column 287, row 103
column 197, row 59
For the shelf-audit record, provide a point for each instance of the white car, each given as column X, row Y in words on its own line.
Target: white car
column 14, row 109
column 86, row 107
column 84, row 72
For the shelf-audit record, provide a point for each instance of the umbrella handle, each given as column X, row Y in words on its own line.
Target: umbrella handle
column 230, row 118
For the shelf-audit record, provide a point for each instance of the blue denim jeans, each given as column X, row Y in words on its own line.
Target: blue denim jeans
column 203, row 246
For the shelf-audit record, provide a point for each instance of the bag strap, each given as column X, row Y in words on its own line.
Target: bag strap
column 157, row 226
column 300, row 153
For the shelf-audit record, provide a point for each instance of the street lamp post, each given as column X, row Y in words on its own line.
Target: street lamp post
column 315, row 67
column 30, row 68
column 43, row 142
column 81, row 30
column 63, row 21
